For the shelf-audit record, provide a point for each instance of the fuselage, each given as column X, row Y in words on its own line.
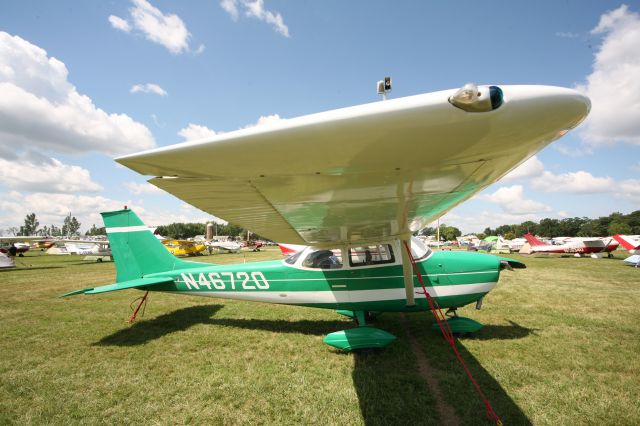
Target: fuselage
column 454, row 279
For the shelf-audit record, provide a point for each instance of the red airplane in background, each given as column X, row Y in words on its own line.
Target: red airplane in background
column 629, row 242
column 576, row 246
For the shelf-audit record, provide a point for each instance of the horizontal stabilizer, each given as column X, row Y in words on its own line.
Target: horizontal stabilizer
column 139, row 283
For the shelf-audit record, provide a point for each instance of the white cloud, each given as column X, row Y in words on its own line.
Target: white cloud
column 52, row 208
column 614, row 86
column 532, row 167
column 255, row 9
column 231, row 8
column 165, row 29
column 572, row 152
column 567, row 34
column 629, row 189
column 580, row 182
column 266, row 119
column 45, row 174
column 41, row 109
column 119, row 23
column 148, row 88
column 511, row 200
column 142, row 188
column 195, row 131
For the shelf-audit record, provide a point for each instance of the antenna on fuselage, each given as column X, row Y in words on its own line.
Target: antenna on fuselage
column 384, row 87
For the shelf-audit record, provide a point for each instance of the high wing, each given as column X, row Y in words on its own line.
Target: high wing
column 365, row 173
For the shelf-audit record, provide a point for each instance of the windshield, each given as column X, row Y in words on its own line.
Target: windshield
column 324, row 259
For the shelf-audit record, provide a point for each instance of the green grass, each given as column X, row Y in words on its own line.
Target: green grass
column 560, row 346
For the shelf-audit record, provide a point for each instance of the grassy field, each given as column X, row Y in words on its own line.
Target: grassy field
column 561, row 345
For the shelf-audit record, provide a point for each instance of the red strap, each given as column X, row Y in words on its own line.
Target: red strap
column 448, row 336
column 142, row 300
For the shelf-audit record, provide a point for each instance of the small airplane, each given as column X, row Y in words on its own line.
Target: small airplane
column 20, row 244
column 358, row 182
column 87, row 248
column 15, row 246
column 226, row 246
column 575, row 246
column 629, row 242
column 609, row 244
column 183, row 247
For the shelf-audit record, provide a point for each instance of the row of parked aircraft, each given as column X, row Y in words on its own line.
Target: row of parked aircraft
column 100, row 250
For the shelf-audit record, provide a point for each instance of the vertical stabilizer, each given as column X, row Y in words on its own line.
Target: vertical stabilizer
column 533, row 241
column 135, row 250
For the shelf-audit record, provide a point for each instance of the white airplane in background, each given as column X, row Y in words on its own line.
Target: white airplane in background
column 228, row 246
column 88, row 248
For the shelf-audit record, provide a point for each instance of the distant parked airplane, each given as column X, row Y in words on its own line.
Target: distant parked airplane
column 629, row 242
column 577, row 246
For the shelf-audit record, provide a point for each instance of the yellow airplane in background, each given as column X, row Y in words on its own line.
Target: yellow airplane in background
column 183, row 247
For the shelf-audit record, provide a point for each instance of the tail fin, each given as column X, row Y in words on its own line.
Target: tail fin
column 627, row 242
column 533, row 241
column 135, row 250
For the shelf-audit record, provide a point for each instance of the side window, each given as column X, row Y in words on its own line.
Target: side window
column 324, row 259
column 371, row 255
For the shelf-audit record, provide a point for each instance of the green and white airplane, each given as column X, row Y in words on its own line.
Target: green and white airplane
column 352, row 185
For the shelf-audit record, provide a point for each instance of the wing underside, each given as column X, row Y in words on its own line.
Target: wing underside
column 367, row 173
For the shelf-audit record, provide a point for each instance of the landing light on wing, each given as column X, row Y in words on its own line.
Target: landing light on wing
column 471, row 98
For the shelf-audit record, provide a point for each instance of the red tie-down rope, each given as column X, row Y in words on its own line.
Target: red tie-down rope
column 448, row 336
column 143, row 301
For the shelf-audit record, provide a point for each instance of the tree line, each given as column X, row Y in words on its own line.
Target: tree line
column 182, row 231
column 615, row 223
column 70, row 228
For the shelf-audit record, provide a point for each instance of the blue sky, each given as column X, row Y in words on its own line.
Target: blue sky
column 82, row 82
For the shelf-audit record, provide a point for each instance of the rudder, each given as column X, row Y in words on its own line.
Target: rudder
column 135, row 250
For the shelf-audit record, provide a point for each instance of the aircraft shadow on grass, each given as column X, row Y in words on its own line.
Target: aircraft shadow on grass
column 307, row 327
column 502, row 332
column 391, row 390
column 144, row 331
column 388, row 383
column 29, row 268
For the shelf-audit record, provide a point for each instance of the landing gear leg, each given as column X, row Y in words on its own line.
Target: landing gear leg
column 459, row 325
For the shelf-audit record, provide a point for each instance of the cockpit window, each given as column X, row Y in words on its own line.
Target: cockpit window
column 371, row 255
column 323, row 259
column 292, row 259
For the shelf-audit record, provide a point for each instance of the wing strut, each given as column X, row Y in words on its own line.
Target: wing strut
column 407, row 272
